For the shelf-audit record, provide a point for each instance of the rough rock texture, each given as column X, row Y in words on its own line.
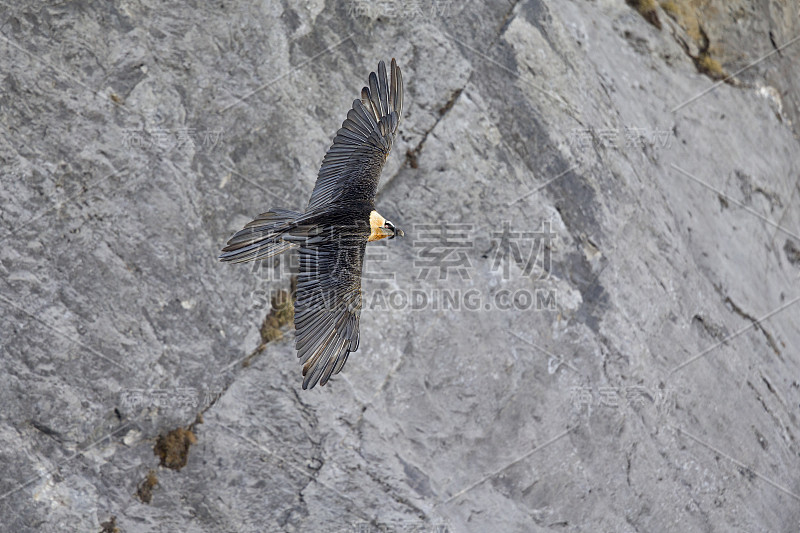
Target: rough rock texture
column 645, row 378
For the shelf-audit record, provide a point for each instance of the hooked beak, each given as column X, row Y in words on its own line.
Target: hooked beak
column 391, row 231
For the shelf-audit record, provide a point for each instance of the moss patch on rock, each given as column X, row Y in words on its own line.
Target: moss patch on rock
column 686, row 15
column 173, row 448
column 648, row 9
column 145, row 490
column 281, row 314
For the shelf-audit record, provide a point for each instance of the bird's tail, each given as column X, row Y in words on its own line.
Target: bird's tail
column 262, row 237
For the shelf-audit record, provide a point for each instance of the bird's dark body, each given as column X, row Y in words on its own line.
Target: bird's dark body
column 332, row 234
column 344, row 214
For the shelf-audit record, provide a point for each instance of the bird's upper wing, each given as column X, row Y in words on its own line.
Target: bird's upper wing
column 353, row 164
column 328, row 304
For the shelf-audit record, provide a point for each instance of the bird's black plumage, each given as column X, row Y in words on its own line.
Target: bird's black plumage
column 331, row 235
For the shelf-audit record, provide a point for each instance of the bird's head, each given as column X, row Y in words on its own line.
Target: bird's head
column 381, row 228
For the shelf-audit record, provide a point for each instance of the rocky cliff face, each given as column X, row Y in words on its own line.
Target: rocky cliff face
column 592, row 324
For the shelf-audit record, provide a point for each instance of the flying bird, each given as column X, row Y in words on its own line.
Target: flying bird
column 332, row 234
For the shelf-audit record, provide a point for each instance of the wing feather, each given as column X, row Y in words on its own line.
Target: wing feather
column 383, row 87
column 375, row 95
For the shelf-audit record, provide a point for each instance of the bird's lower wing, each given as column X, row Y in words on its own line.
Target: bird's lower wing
column 328, row 304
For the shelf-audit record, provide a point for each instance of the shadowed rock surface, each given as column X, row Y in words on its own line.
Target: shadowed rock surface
column 637, row 370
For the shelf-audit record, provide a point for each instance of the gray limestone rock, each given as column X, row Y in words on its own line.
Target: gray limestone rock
column 591, row 325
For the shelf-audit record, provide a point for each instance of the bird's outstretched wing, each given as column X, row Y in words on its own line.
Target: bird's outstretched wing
column 352, row 167
column 328, row 304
